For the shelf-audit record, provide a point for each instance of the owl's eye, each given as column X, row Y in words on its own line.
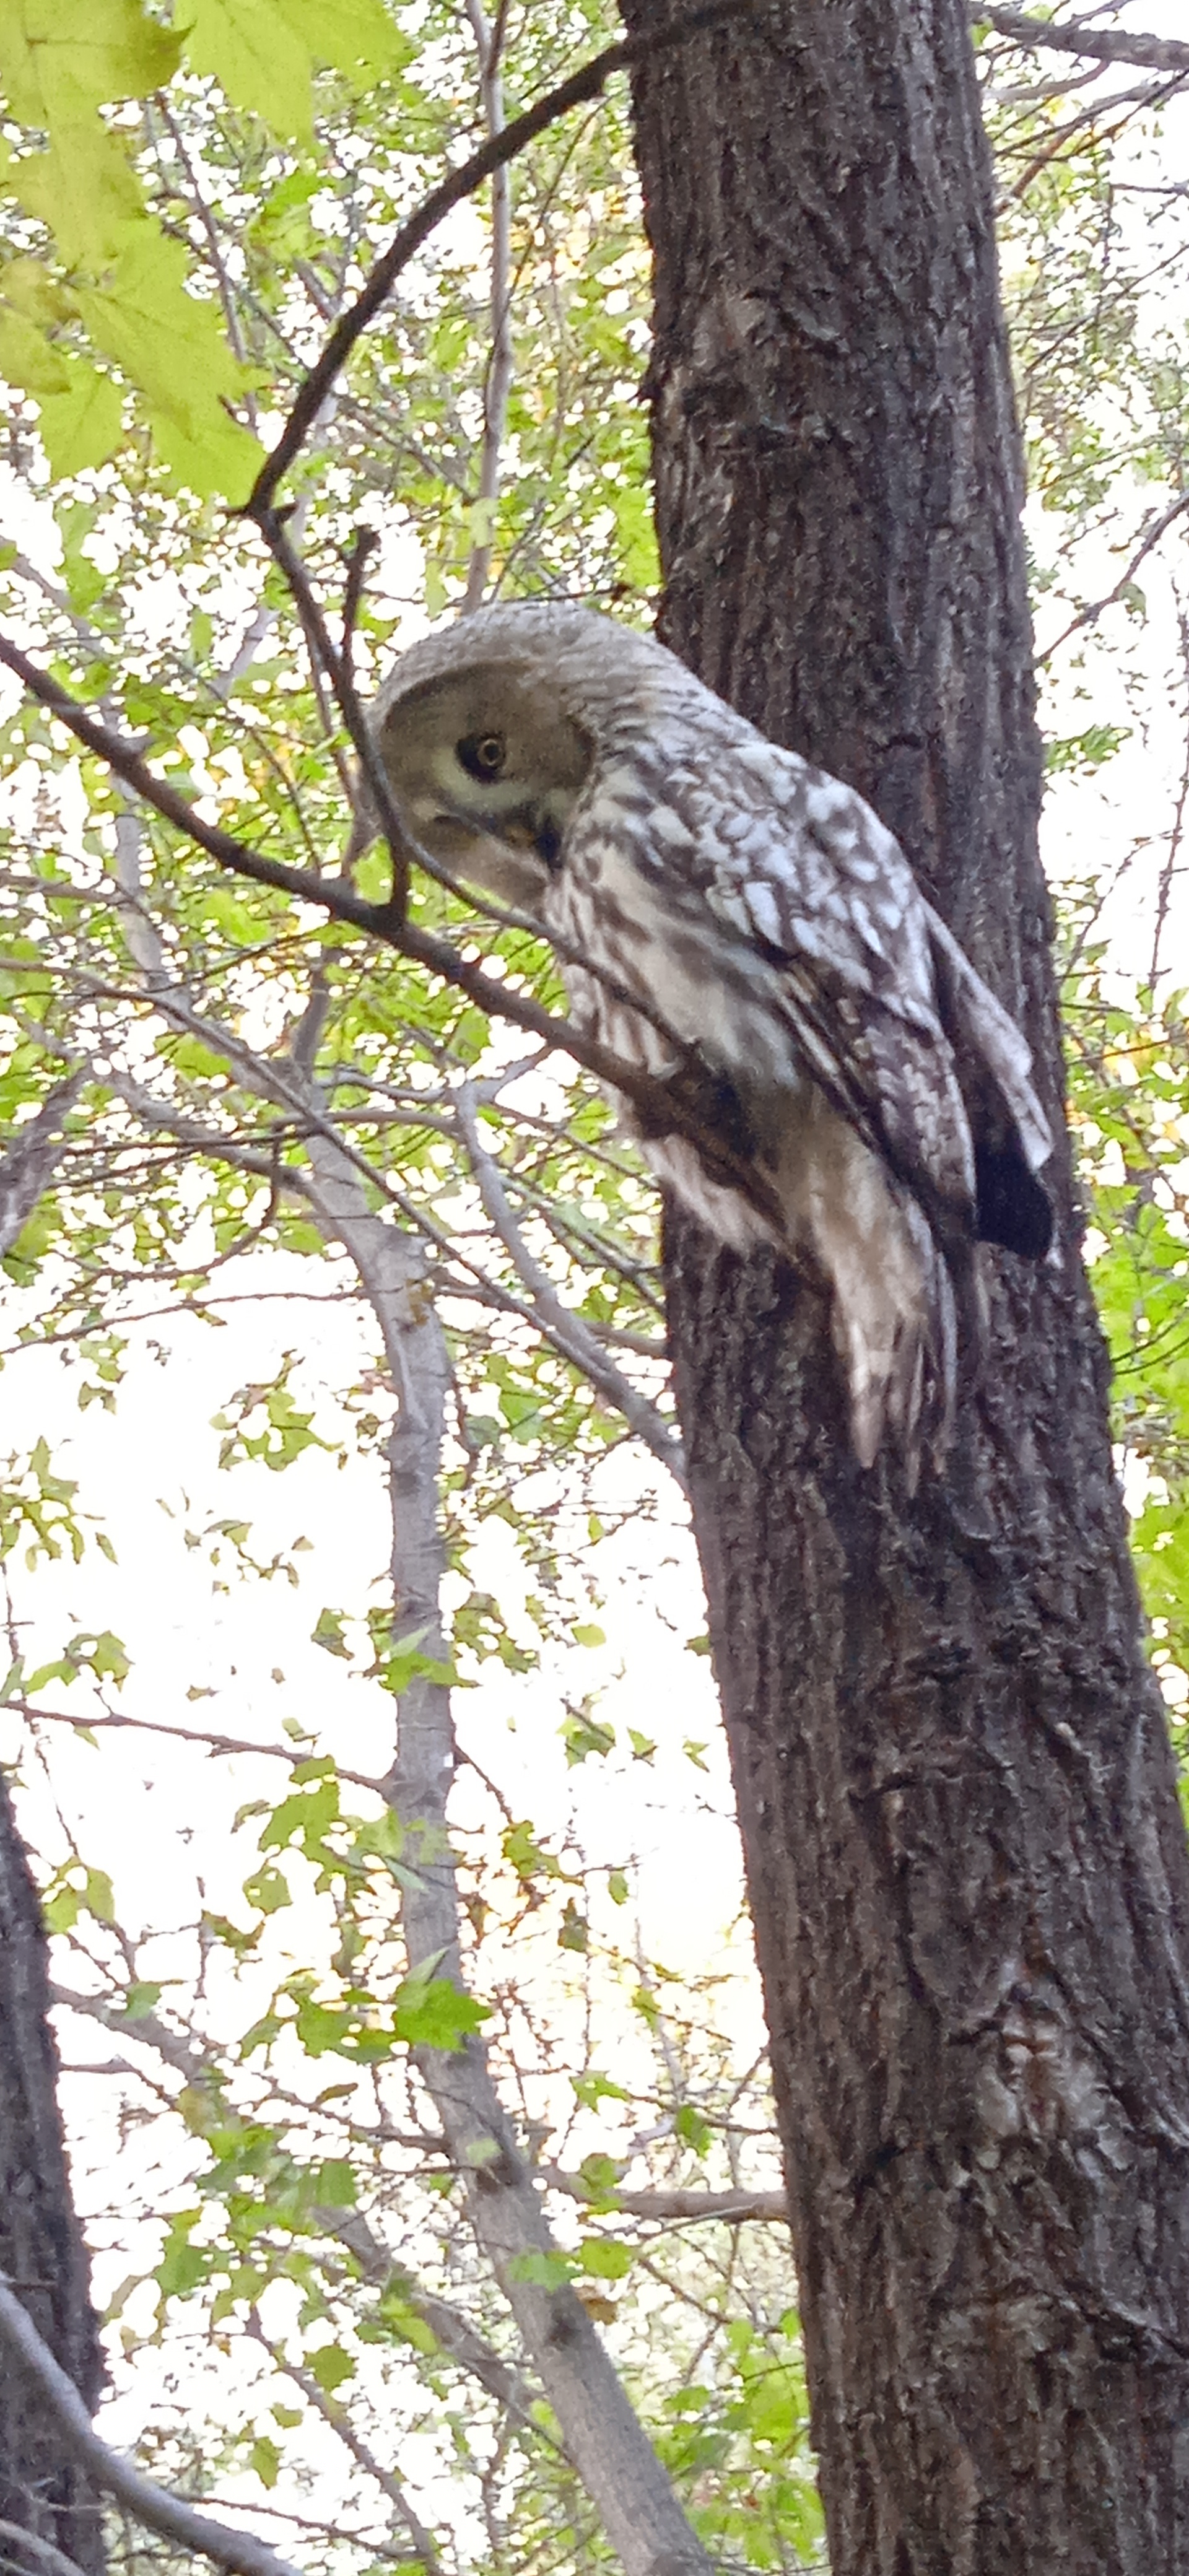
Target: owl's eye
column 482, row 755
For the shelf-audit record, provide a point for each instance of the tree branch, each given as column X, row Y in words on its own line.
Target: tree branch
column 43, row 2551
column 237, row 2551
column 501, row 360
column 664, row 1110
column 1090, row 615
column 28, row 1165
column 1099, row 44
column 569, row 1332
column 667, row 2207
column 602, row 2435
column 339, row 2421
column 587, row 83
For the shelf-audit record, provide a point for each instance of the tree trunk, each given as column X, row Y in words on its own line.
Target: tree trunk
column 966, row 1860
column 41, row 2249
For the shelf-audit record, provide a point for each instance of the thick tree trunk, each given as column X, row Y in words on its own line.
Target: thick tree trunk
column 967, row 1866
column 41, row 2249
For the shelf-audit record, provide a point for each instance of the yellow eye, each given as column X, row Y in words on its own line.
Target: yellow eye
column 482, row 755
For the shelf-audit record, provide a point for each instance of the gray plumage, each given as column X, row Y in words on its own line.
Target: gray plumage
column 578, row 771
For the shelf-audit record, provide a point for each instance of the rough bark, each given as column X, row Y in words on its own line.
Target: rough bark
column 41, row 2249
column 967, row 1866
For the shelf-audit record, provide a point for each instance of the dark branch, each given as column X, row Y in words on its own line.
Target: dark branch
column 1095, row 44
column 683, row 1107
column 492, row 155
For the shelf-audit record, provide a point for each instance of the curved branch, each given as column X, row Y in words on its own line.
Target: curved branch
column 493, row 155
column 237, row 2551
column 665, row 1109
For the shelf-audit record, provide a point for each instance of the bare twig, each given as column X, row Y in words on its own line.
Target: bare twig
column 668, row 2207
column 238, row 2551
column 1089, row 616
column 207, row 1742
column 1100, row 44
column 340, row 2423
column 568, row 1331
column 498, row 383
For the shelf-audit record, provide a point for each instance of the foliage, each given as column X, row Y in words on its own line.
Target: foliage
column 190, row 200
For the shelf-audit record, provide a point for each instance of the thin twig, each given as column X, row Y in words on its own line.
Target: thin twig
column 1171, row 860
column 501, row 360
column 1090, row 616
column 1101, row 44
column 568, row 1331
column 340, row 2423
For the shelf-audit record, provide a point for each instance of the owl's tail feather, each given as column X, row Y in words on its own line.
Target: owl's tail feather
column 904, row 1316
column 1012, row 1137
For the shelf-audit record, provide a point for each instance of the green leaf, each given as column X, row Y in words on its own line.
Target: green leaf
column 267, row 1890
column 172, row 347
column 257, row 55
column 265, row 2459
column 84, row 190
column 329, row 1632
column 182, row 2265
column 27, row 359
column 544, row 2271
column 605, row 2258
column 61, row 58
column 690, row 2125
column 140, row 2000
column 355, row 36
column 97, row 1896
column 330, row 2366
column 334, row 2184
column 435, row 2013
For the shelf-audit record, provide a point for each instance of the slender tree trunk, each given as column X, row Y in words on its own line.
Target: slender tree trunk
column 41, row 2249
column 967, row 1866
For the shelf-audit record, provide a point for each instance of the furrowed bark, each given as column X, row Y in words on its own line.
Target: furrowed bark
column 966, row 1860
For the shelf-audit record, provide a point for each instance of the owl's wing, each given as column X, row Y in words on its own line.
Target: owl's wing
column 804, row 868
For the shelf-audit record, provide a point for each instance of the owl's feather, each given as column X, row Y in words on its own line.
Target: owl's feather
column 763, row 912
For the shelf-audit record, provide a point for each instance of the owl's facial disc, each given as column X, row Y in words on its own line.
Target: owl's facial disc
column 488, row 773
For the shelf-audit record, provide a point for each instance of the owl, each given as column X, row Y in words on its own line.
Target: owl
column 720, row 903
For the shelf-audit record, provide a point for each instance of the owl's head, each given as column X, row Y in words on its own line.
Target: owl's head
column 484, row 759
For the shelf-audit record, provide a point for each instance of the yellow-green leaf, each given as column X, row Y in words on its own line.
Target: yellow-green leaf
column 259, row 59
column 60, row 57
column 83, row 425
column 356, row 36
column 164, row 339
column 26, row 357
column 84, row 189
column 220, row 459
